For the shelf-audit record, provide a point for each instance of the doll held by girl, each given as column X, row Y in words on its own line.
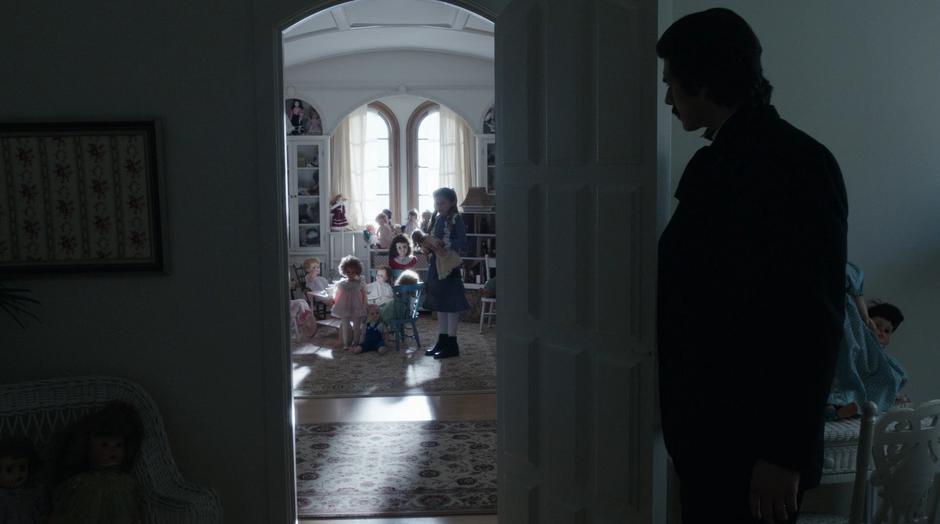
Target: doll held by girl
column 446, row 260
column 22, row 497
column 94, row 466
column 349, row 303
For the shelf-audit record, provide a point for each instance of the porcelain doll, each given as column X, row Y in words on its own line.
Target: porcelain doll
column 349, row 302
column 315, row 283
column 400, row 253
column 95, row 462
column 380, row 291
column 426, row 221
column 22, row 498
column 411, row 225
column 297, row 117
column 373, row 337
column 338, row 220
column 383, row 231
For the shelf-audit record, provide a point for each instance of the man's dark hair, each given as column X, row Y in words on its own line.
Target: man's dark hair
column 889, row 312
column 716, row 49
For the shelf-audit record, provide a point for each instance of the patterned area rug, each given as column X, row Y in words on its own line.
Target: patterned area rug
column 322, row 370
column 396, row 469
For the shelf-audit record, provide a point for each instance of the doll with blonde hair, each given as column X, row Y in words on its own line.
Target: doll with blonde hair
column 383, row 233
column 349, row 302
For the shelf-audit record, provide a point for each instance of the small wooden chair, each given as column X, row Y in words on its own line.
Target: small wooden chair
column 409, row 299
column 487, row 304
column 319, row 308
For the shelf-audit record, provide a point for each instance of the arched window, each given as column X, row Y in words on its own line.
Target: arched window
column 381, row 161
column 429, row 159
column 423, row 156
column 440, row 154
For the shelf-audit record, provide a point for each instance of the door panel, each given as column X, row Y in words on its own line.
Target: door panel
column 576, row 126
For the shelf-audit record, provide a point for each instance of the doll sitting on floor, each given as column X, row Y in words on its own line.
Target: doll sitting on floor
column 447, row 259
column 94, row 466
column 373, row 337
column 22, row 499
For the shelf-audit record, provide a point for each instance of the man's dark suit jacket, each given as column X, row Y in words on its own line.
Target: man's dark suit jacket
column 751, row 298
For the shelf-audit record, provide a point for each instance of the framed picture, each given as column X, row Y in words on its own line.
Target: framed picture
column 80, row 197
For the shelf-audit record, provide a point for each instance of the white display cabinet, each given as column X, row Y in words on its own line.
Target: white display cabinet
column 308, row 179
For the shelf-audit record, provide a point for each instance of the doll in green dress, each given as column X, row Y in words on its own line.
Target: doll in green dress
column 94, row 466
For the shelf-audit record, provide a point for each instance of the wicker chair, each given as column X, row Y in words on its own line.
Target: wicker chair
column 40, row 409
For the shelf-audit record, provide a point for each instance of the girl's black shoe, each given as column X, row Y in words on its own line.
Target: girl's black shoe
column 450, row 350
column 438, row 347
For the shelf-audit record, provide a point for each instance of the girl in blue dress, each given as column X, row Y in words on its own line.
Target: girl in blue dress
column 864, row 370
column 446, row 295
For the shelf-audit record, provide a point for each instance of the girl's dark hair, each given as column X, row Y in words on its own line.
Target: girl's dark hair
column 398, row 239
column 716, row 50
column 348, row 262
column 449, row 194
column 889, row 312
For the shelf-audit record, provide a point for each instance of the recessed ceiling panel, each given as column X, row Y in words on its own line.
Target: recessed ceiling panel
column 321, row 21
column 478, row 23
column 399, row 12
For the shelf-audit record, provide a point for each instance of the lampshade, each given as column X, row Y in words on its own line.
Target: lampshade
column 477, row 197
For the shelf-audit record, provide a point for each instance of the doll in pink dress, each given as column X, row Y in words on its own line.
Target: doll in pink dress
column 349, row 302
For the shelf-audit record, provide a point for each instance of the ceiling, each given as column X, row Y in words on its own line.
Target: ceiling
column 362, row 26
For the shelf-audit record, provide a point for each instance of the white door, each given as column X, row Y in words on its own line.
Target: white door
column 576, row 192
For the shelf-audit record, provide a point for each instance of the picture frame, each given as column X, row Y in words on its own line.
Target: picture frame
column 80, row 196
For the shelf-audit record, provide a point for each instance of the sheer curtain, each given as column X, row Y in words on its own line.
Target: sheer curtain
column 348, row 164
column 456, row 153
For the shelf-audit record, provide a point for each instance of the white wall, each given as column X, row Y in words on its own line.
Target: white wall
column 200, row 339
column 862, row 77
column 338, row 85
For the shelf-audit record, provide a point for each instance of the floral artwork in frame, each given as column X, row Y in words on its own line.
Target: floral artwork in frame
column 79, row 197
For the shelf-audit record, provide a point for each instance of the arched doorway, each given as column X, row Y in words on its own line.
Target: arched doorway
column 610, row 169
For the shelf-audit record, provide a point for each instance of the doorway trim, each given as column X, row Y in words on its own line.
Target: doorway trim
column 270, row 19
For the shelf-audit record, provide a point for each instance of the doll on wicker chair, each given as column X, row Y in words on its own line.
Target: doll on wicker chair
column 94, row 465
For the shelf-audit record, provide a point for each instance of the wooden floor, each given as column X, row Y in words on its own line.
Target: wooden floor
column 403, row 408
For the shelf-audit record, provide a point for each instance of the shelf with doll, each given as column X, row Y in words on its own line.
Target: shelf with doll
column 479, row 216
column 307, row 193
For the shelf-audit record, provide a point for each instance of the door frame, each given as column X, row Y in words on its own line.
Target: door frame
column 270, row 18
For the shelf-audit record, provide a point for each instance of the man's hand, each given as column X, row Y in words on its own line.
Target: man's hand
column 773, row 492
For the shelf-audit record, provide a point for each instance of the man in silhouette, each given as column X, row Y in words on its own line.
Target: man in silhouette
column 751, row 284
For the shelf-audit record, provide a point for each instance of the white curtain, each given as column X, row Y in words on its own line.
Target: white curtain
column 348, row 165
column 456, row 153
